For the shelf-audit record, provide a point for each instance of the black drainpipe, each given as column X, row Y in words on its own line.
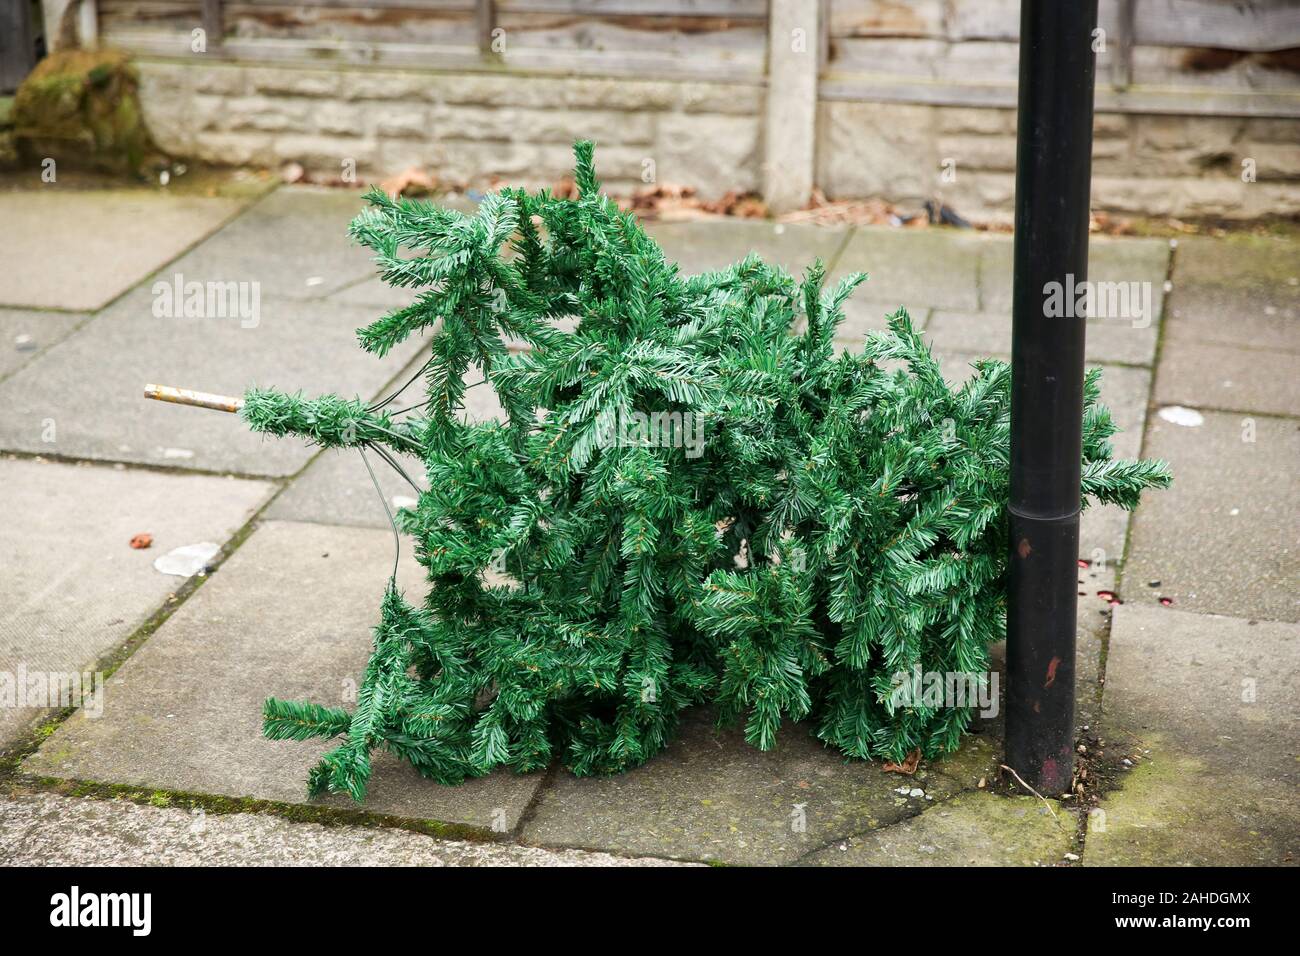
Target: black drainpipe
column 1053, row 168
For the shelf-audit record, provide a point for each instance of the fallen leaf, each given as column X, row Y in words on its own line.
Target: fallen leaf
column 908, row 766
column 412, row 181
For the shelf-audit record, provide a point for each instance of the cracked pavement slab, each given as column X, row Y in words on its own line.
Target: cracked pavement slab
column 46, row 829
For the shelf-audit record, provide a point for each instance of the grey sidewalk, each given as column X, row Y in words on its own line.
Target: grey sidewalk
column 288, row 605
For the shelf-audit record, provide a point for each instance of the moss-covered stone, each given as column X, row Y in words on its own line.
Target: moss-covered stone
column 82, row 108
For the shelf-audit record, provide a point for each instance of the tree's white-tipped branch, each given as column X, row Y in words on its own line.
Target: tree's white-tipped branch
column 185, row 396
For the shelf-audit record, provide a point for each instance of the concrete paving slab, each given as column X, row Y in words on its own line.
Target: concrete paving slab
column 45, row 829
column 1214, row 375
column 293, row 244
column 72, row 588
column 863, row 314
column 1109, row 260
column 956, row 366
column 90, row 385
column 717, row 243
column 972, row 829
column 336, row 489
column 1103, row 531
column 375, row 294
column 711, row 796
column 1223, row 538
column 989, row 333
column 106, row 241
column 918, row 268
column 1207, row 710
column 289, row 615
column 24, row 333
column 1258, row 318
column 1240, row 291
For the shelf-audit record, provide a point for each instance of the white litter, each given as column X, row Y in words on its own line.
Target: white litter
column 187, row 560
column 1178, row 415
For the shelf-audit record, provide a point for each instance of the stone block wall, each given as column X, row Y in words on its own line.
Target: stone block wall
column 1180, row 166
column 467, row 127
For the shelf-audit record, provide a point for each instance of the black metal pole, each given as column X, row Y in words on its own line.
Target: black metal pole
column 1053, row 168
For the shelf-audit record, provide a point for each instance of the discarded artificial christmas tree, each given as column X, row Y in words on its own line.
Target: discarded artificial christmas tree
column 692, row 496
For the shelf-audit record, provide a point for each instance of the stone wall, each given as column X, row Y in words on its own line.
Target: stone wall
column 1182, row 166
column 467, row 127
column 477, row 127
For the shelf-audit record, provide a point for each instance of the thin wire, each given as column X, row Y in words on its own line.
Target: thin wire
column 409, row 408
column 397, row 539
column 401, row 438
column 418, row 372
column 383, row 453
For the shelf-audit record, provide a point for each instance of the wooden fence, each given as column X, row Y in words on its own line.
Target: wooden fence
column 1239, row 57
column 701, row 39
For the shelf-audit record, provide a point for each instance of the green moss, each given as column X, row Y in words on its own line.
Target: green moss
column 1174, row 809
column 82, row 108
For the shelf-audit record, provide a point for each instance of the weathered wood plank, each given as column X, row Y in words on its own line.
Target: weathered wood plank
column 435, row 27
column 735, row 9
column 723, row 66
column 727, row 9
column 1137, row 100
column 462, row 6
column 1256, row 25
column 886, row 18
column 996, row 61
column 681, row 36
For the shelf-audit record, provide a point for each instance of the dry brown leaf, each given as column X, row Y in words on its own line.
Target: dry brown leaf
column 412, row 181
column 908, row 766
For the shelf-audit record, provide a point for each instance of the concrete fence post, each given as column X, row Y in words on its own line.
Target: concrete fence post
column 790, row 123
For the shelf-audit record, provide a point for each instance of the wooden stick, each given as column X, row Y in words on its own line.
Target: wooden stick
column 185, row 396
column 1035, row 793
